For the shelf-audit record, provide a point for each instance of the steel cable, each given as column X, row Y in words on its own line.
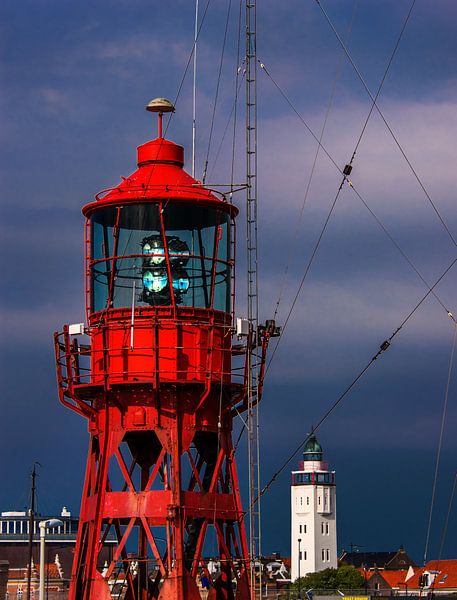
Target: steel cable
column 233, row 112
column 373, row 104
column 183, row 78
column 238, row 51
column 440, row 443
column 213, row 116
column 340, row 398
column 446, row 521
column 358, row 194
column 394, row 137
column 313, row 167
column 308, row 267
column 383, row 79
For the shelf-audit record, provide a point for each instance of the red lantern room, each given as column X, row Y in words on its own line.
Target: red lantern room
column 152, row 373
column 159, row 248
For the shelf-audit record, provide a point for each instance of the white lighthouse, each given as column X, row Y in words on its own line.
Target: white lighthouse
column 313, row 503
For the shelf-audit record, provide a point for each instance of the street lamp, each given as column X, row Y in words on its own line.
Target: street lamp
column 299, row 560
column 43, row 525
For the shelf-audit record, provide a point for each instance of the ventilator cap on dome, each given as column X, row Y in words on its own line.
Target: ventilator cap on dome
column 160, row 105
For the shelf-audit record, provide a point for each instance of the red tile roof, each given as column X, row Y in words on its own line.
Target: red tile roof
column 447, row 577
column 390, row 576
column 395, row 579
column 51, row 570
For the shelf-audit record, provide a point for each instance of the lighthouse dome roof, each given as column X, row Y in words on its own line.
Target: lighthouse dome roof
column 312, row 450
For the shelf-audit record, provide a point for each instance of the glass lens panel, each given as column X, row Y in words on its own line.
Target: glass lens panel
column 129, row 257
column 124, row 230
column 204, row 233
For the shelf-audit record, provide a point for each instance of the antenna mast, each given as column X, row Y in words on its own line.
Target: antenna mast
column 194, row 90
column 31, row 524
column 252, row 294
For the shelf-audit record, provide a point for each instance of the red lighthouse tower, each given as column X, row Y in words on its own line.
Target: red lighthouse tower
column 152, row 373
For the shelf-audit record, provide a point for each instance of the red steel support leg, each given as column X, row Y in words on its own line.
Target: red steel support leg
column 157, row 455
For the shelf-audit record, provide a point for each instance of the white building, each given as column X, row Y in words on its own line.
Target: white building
column 313, row 504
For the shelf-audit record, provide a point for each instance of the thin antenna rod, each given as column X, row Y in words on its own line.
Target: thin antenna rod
column 31, row 524
column 194, row 91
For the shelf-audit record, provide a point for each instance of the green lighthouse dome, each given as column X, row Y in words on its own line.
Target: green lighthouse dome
column 312, row 450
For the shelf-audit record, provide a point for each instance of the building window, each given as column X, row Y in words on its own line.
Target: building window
column 322, row 527
column 300, row 529
column 323, row 555
column 300, row 478
column 307, row 500
column 327, row 528
column 319, row 500
column 305, row 554
column 328, row 555
column 300, row 555
column 301, row 501
column 304, row 528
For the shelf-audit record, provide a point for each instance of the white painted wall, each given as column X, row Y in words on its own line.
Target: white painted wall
column 313, row 510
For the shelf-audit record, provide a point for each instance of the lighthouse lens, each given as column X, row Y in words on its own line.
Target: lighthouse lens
column 181, row 282
column 153, row 246
column 178, row 250
column 154, row 281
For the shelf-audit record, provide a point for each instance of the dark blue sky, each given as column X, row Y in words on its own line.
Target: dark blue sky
column 75, row 79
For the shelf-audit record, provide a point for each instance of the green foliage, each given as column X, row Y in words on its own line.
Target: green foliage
column 342, row 578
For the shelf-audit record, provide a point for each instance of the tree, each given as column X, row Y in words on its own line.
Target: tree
column 342, row 578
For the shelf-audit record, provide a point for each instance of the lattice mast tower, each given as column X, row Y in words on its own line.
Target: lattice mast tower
column 255, row 531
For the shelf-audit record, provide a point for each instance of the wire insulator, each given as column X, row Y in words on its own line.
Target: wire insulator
column 384, row 345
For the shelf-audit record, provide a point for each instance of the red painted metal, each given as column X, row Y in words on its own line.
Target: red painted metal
column 161, row 470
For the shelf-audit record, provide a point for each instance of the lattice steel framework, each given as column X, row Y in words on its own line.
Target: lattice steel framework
column 255, row 537
column 155, row 381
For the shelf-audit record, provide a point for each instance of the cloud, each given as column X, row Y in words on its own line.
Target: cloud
column 37, row 326
column 425, row 130
column 134, row 47
column 54, row 97
column 72, row 115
